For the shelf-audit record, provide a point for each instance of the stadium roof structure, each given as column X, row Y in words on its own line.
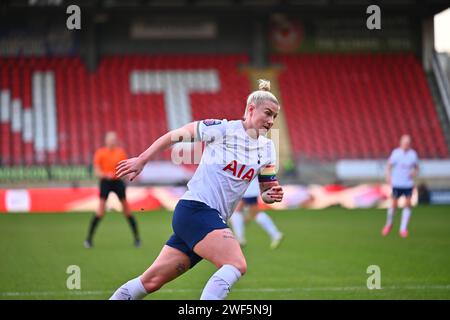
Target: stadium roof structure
column 421, row 8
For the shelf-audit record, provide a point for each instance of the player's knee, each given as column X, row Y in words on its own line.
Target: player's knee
column 127, row 214
column 240, row 264
column 124, row 204
column 242, row 267
column 101, row 210
column 100, row 214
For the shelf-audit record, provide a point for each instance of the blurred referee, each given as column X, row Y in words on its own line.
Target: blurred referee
column 105, row 161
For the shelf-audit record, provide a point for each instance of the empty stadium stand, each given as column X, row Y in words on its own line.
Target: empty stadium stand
column 358, row 106
column 54, row 112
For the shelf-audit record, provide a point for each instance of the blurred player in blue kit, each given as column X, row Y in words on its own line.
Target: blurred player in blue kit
column 238, row 220
column 401, row 169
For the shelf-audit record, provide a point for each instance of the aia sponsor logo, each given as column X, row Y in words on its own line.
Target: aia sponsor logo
column 240, row 170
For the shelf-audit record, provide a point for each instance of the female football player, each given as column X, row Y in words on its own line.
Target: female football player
column 236, row 152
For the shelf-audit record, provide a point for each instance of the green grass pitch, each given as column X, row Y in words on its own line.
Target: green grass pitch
column 325, row 255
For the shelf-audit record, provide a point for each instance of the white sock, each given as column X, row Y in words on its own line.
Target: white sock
column 405, row 218
column 220, row 283
column 238, row 225
column 267, row 224
column 132, row 290
column 390, row 216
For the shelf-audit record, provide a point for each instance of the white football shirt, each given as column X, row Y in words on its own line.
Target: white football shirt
column 403, row 162
column 252, row 190
column 230, row 161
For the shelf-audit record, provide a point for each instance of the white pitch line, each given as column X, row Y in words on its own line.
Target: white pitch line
column 90, row 293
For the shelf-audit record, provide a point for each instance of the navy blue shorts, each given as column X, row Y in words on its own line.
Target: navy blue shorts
column 250, row 200
column 191, row 222
column 398, row 192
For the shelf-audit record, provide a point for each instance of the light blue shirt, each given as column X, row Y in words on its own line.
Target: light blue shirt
column 403, row 163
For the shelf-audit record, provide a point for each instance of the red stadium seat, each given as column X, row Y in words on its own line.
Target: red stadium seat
column 89, row 104
column 337, row 106
column 358, row 106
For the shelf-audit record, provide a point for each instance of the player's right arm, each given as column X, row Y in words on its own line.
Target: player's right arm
column 389, row 165
column 134, row 166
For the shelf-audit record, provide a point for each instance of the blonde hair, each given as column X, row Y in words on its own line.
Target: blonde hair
column 259, row 96
column 264, row 85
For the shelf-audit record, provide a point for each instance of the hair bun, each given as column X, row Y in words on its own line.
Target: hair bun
column 264, row 85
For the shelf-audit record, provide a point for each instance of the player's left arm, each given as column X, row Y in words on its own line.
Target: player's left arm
column 415, row 170
column 271, row 191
